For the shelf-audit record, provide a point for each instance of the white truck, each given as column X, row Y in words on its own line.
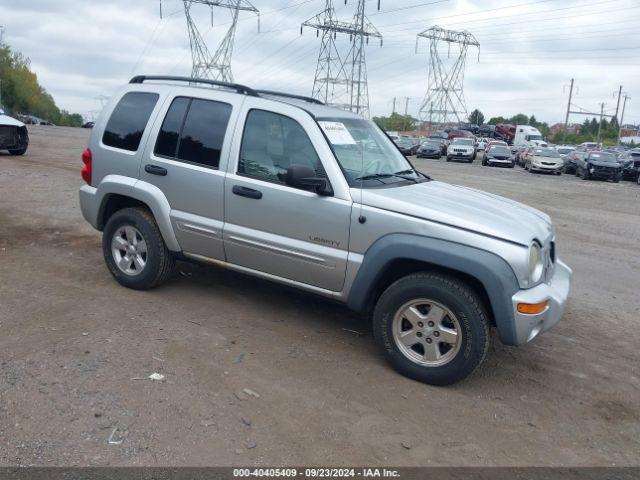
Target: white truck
column 528, row 136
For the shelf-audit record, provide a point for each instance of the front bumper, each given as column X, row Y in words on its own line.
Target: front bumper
column 500, row 161
column 429, row 154
column 545, row 168
column 556, row 292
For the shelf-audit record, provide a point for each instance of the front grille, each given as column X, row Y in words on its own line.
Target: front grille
column 459, row 150
column 550, row 164
column 8, row 136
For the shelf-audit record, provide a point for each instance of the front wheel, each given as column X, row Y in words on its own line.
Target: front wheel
column 585, row 174
column 134, row 249
column 432, row 328
column 448, row 158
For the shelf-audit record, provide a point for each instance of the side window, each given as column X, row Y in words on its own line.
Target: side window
column 271, row 143
column 193, row 131
column 128, row 120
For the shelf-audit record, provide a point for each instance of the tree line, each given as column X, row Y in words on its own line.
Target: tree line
column 21, row 93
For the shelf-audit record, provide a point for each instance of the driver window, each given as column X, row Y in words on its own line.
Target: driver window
column 271, row 143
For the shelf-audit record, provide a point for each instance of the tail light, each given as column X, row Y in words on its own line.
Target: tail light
column 86, row 167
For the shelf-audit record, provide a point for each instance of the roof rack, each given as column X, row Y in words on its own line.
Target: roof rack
column 290, row 95
column 233, row 86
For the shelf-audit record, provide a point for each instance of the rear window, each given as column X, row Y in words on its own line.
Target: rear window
column 128, row 120
column 193, row 131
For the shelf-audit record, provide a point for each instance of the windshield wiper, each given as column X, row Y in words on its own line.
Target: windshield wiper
column 413, row 170
column 378, row 176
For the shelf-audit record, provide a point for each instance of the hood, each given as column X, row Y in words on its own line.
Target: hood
column 10, row 121
column 464, row 208
column 599, row 163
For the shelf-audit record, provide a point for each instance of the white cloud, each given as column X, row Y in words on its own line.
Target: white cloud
column 529, row 49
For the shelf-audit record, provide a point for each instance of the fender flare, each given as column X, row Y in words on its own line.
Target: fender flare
column 146, row 193
column 492, row 271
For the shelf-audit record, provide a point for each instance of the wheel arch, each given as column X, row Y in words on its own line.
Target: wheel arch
column 116, row 195
column 397, row 255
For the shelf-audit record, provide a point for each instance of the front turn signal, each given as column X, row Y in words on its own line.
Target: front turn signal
column 532, row 308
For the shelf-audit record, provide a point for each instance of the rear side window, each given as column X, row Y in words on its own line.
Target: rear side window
column 128, row 120
column 193, row 131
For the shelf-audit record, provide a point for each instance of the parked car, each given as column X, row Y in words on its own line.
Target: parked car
column 444, row 143
column 14, row 136
column 88, row 125
column 589, row 146
column 430, row 149
column 407, row 146
column 630, row 163
column 498, row 155
column 282, row 188
column 601, row 165
column 564, row 151
column 461, row 148
column 571, row 160
column 481, row 143
column 486, row 130
column 543, row 160
column 494, row 142
column 518, row 153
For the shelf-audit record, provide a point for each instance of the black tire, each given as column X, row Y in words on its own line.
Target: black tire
column 159, row 260
column 585, row 174
column 484, row 162
column 448, row 158
column 455, row 295
column 616, row 179
column 18, row 151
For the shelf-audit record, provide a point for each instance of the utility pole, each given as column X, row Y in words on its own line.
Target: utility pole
column 218, row 65
column 624, row 104
column 600, row 123
column 393, row 110
column 341, row 81
column 618, row 104
column 566, row 118
column 444, row 101
column 406, row 112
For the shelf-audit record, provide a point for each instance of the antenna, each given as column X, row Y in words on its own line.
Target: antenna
column 444, row 101
column 204, row 64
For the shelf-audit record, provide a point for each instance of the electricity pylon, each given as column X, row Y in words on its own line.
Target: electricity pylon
column 218, row 65
column 444, row 102
column 341, row 81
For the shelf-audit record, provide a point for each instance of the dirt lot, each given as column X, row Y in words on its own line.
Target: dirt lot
column 74, row 346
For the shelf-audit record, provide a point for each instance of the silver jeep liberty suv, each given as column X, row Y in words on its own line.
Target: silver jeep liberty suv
column 287, row 189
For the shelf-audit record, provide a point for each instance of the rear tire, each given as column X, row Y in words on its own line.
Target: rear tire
column 134, row 250
column 430, row 309
column 585, row 174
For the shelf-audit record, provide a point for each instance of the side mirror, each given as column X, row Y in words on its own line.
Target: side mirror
column 305, row 177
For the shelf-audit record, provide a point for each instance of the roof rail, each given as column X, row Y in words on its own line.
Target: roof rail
column 290, row 95
column 233, row 86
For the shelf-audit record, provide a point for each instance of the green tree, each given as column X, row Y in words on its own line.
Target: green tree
column 476, row 117
column 396, row 122
column 21, row 92
column 497, row 120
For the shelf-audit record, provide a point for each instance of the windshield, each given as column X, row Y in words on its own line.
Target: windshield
column 462, row 141
column 547, row 153
column 500, row 151
column 431, row 143
column 365, row 154
column 565, row 150
column 404, row 141
column 603, row 157
column 534, row 137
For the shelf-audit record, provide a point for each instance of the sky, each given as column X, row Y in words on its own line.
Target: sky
column 83, row 50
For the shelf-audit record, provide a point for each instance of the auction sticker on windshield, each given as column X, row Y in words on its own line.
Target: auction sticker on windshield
column 337, row 133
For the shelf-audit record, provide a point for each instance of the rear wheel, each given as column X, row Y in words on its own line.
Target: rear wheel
column 585, row 174
column 134, row 250
column 432, row 328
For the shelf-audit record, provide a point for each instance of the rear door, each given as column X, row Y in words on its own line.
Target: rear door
column 186, row 159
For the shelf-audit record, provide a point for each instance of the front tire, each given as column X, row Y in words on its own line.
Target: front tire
column 134, row 250
column 432, row 328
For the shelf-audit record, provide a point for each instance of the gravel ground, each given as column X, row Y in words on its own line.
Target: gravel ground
column 77, row 349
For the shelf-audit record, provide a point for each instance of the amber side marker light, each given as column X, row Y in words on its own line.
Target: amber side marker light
column 532, row 308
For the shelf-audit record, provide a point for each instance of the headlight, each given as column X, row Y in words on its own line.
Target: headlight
column 536, row 264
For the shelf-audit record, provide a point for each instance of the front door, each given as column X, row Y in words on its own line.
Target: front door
column 271, row 227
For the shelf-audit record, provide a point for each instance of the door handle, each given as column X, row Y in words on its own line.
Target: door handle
column 155, row 170
column 247, row 192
